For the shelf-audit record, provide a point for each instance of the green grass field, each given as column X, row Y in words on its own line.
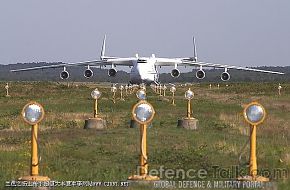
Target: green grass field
column 68, row 152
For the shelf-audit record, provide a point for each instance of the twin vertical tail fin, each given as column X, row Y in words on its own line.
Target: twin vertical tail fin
column 194, row 50
column 103, row 48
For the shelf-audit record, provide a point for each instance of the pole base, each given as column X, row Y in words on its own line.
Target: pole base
column 143, row 178
column 251, row 178
column 34, row 178
column 95, row 123
column 188, row 123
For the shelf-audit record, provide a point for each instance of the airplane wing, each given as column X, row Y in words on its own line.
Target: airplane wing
column 90, row 63
column 168, row 61
column 120, row 61
column 216, row 65
column 93, row 63
column 188, row 62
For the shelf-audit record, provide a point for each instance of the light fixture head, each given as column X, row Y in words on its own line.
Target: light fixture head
column 143, row 112
column 113, row 89
column 189, row 94
column 141, row 94
column 32, row 113
column 254, row 113
column 172, row 89
column 96, row 94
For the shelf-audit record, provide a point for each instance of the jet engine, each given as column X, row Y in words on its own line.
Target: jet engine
column 200, row 74
column 88, row 73
column 112, row 72
column 175, row 73
column 225, row 76
column 64, row 74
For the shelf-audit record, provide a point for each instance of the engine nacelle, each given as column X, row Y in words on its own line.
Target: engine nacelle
column 64, row 75
column 200, row 74
column 225, row 76
column 175, row 73
column 112, row 72
column 88, row 73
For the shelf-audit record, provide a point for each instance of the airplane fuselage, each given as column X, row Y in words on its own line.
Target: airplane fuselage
column 144, row 71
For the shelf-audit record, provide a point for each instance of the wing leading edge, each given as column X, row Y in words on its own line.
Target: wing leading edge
column 187, row 62
column 94, row 63
column 216, row 65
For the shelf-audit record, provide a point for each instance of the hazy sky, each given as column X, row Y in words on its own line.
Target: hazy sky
column 245, row 32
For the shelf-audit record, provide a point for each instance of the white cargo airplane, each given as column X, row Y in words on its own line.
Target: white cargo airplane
column 144, row 69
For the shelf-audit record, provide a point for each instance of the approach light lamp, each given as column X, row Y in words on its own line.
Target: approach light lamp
column 143, row 112
column 189, row 94
column 172, row 89
column 141, row 94
column 114, row 89
column 254, row 113
column 160, row 89
column 7, row 89
column 96, row 94
column 32, row 113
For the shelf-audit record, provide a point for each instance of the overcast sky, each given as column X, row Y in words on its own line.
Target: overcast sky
column 245, row 32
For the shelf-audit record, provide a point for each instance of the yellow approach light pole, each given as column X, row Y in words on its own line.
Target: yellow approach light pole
column 7, row 89
column 279, row 89
column 173, row 90
column 188, row 122
column 126, row 90
column 143, row 113
column 97, row 122
column 189, row 95
column 254, row 114
column 121, row 92
column 32, row 114
column 114, row 90
column 164, row 90
column 96, row 94
column 160, row 90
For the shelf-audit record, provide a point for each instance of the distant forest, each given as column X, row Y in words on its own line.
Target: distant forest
column 100, row 75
